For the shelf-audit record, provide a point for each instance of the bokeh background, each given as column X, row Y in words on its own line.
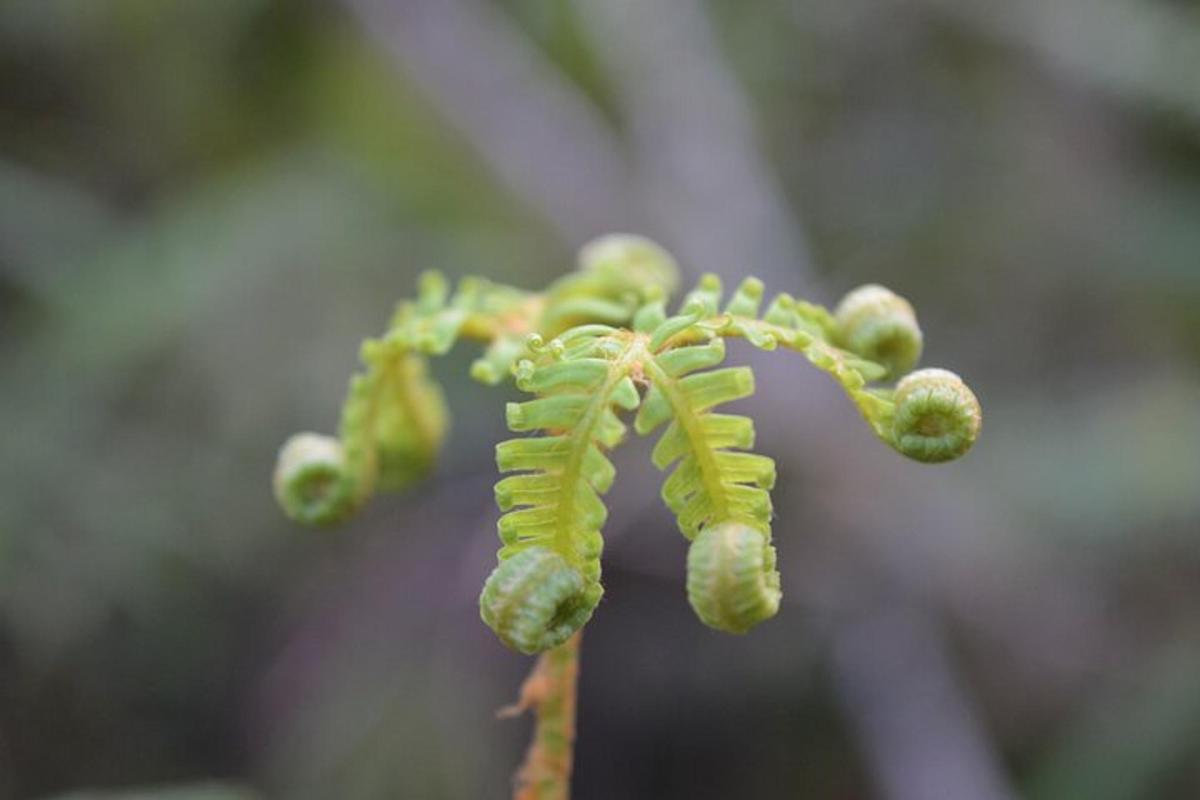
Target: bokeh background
column 206, row 204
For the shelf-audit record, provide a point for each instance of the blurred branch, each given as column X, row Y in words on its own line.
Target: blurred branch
column 1141, row 51
column 1124, row 745
column 698, row 163
column 897, row 686
column 545, row 141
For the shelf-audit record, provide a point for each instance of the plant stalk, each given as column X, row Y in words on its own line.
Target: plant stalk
column 550, row 690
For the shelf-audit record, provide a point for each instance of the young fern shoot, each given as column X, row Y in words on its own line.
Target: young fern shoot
column 597, row 344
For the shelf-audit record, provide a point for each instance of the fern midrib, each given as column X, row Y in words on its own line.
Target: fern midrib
column 582, row 438
column 863, row 399
column 393, row 375
column 406, row 365
column 364, row 482
column 689, row 422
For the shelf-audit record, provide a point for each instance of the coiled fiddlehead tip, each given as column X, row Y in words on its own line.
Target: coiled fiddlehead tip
column 881, row 326
column 534, row 600
column 310, row 480
column 732, row 583
column 937, row 416
column 632, row 259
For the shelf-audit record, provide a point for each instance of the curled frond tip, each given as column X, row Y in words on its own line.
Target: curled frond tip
column 310, row 480
column 879, row 325
column 732, row 583
column 534, row 600
column 634, row 259
column 937, row 416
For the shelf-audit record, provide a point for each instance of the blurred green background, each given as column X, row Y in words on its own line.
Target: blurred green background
column 206, row 204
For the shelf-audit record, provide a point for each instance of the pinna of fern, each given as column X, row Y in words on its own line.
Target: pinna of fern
column 596, row 344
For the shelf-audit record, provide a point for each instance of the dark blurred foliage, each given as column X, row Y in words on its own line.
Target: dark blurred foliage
column 205, row 205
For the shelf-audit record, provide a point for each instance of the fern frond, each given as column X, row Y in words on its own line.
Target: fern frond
column 553, row 505
column 713, row 482
column 937, row 417
column 731, row 579
column 931, row 416
column 880, row 325
column 718, row 492
column 394, row 417
column 535, row 600
column 812, row 331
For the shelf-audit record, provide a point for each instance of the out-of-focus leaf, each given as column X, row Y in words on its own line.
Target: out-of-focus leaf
column 1129, row 742
column 46, row 225
column 1116, row 458
column 134, row 307
column 205, row 791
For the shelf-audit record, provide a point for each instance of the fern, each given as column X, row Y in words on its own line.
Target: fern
column 594, row 344
column 712, row 482
column 554, row 504
column 597, row 343
column 880, row 324
column 394, row 417
column 718, row 493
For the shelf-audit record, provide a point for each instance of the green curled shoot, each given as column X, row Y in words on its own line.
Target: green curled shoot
column 535, row 600
column 732, row 583
column 881, row 326
column 937, row 416
column 595, row 345
column 310, row 481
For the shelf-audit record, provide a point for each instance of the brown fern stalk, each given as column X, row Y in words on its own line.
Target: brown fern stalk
column 550, row 690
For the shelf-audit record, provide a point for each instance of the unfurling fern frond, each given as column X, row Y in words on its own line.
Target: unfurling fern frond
column 311, row 481
column 535, row 600
column 937, row 417
column 880, row 326
column 718, row 493
column 731, row 579
column 553, row 506
column 712, row 482
column 616, row 275
column 793, row 324
column 874, row 335
column 394, row 416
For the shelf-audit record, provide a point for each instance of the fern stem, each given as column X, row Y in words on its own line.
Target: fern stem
column 550, row 690
column 581, row 438
column 689, row 422
column 425, row 425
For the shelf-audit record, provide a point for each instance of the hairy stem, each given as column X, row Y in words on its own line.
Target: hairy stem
column 550, row 690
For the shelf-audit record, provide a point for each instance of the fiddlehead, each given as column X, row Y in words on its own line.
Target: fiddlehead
column 719, row 495
column 616, row 274
column 731, row 579
column 880, row 326
column 937, row 418
column 553, row 512
column 309, row 479
column 534, row 600
column 393, row 418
